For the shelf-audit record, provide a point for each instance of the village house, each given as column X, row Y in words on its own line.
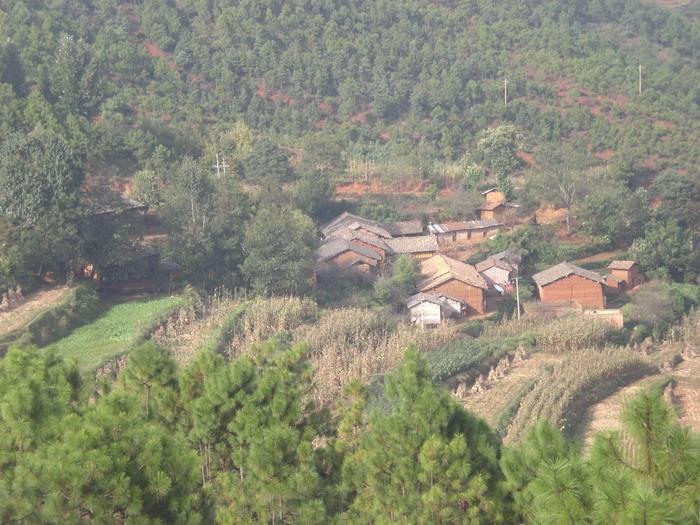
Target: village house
column 566, row 282
column 500, row 270
column 429, row 309
column 464, row 231
column 624, row 275
column 341, row 253
column 421, row 247
column 366, row 239
column 460, row 281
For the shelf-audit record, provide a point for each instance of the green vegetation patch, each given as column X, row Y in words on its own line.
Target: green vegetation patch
column 458, row 356
column 115, row 331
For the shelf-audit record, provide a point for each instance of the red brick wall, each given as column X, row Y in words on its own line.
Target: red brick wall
column 473, row 296
column 631, row 277
column 587, row 293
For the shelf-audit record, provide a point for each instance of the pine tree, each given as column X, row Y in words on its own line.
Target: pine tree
column 426, row 460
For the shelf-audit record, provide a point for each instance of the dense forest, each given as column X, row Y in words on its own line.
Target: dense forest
column 216, row 137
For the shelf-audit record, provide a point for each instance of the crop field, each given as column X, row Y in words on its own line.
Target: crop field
column 113, row 332
column 493, row 401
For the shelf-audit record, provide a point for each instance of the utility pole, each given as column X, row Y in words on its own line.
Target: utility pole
column 517, row 295
column 640, row 79
column 220, row 166
column 505, row 91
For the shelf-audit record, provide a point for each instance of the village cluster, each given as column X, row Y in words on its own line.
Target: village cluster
column 451, row 288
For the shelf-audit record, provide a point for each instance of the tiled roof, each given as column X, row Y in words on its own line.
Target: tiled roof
column 363, row 236
column 420, row 244
column 401, row 228
column 454, row 226
column 423, row 297
column 348, row 220
column 621, row 265
column 562, row 270
column 335, row 247
column 440, row 269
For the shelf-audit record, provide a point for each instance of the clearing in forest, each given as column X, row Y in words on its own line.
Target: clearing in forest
column 33, row 306
column 491, row 403
column 113, row 332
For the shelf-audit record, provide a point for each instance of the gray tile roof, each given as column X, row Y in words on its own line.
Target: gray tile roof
column 420, row 244
column 562, row 270
column 335, row 247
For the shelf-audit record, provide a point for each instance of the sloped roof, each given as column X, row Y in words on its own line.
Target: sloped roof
column 364, row 236
column 347, row 220
column 440, row 269
column 423, row 297
column 419, row 244
column 335, row 247
column 621, row 265
column 401, row 228
column 491, row 262
column 455, row 226
column 508, row 256
column 562, row 270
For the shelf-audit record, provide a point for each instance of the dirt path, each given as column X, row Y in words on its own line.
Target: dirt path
column 491, row 403
column 30, row 308
column 604, row 256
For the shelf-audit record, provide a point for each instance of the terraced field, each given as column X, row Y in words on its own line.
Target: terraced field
column 113, row 332
column 492, row 402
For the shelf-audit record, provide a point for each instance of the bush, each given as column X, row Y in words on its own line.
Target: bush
column 79, row 307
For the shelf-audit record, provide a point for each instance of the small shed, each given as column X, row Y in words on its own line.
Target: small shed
column 493, row 195
column 428, row 309
column 492, row 210
column 567, row 282
column 627, row 273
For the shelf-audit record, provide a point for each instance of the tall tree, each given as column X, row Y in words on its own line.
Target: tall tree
column 426, row 460
column 279, row 251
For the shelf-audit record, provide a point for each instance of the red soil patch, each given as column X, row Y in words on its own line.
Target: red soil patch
column 526, row 157
column 606, row 154
column 359, row 118
column 273, row 96
column 550, row 214
column 386, row 136
column 156, row 52
column 378, row 188
column 325, row 107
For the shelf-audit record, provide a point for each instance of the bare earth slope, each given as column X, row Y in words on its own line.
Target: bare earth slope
column 30, row 308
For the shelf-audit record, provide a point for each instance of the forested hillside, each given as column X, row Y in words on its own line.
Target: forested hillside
column 412, row 82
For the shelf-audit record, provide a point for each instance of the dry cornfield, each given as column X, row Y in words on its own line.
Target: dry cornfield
column 580, row 380
column 561, row 335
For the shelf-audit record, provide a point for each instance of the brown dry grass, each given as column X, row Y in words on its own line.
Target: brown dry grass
column 491, row 403
column 30, row 308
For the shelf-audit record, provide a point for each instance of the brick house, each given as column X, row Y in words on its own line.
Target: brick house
column 627, row 273
column 449, row 277
column 341, row 253
column 566, row 282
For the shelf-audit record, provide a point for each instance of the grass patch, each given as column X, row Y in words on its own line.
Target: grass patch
column 116, row 331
